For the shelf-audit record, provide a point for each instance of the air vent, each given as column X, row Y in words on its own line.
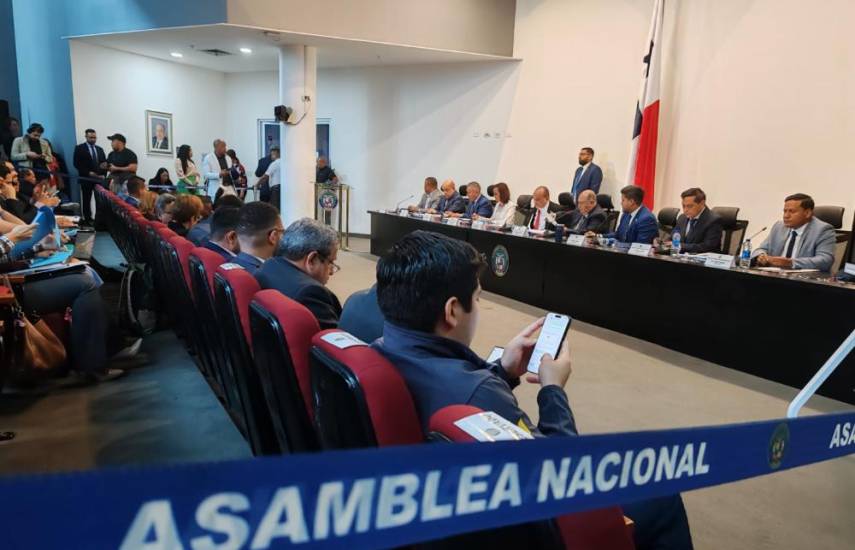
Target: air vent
column 215, row 52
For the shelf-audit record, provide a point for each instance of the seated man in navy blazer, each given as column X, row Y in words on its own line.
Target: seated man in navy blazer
column 478, row 203
column 588, row 216
column 637, row 223
column 303, row 264
column 361, row 315
column 700, row 228
column 258, row 230
column 587, row 176
column 223, row 239
column 800, row 241
column 451, row 201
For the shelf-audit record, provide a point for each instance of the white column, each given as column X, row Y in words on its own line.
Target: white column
column 298, row 69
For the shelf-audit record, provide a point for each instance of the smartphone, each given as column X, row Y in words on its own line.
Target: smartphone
column 551, row 337
column 495, row 354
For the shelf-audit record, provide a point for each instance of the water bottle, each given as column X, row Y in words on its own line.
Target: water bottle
column 675, row 244
column 745, row 256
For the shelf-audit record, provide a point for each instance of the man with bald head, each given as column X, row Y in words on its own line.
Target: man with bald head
column 542, row 215
column 216, row 165
column 588, row 215
column 451, row 202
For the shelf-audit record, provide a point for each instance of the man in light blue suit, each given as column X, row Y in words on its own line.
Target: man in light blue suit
column 637, row 223
column 587, row 176
column 800, row 241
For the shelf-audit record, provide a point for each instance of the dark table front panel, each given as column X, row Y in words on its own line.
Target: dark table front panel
column 774, row 327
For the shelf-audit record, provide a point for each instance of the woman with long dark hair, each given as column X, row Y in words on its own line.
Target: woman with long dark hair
column 185, row 171
column 238, row 173
column 161, row 181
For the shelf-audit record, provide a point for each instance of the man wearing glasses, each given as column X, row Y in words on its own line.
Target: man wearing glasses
column 303, row 264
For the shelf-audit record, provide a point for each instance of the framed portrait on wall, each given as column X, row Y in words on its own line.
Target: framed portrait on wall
column 158, row 133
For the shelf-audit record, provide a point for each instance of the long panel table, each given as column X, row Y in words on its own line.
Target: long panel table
column 778, row 327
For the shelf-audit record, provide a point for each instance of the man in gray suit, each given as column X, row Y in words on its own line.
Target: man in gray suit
column 800, row 241
column 430, row 199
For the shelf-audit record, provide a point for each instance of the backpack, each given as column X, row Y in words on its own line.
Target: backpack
column 137, row 311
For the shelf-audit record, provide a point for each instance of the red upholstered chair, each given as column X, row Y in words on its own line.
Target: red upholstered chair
column 282, row 332
column 203, row 264
column 234, row 288
column 591, row 530
column 360, row 399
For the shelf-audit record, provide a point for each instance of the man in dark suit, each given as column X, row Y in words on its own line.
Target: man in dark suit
column 542, row 214
column 700, row 228
column 478, row 205
column 304, row 263
column 160, row 141
column 258, row 230
column 451, row 201
column 223, row 239
column 637, row 223
column 587, row 176
column 88, row 160
column 588, row 215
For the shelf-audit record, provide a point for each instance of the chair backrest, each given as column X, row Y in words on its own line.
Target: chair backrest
column 490, row 191
column 612, row 218
column 234, row 289
column 605, row 201
column 728, row 215
column 360, row 398
column 668, row 216
column 830, row 214
column 183, row 247
column 840, row 247
column 210, row 261
column 592, row 530
column 734, row 229
column 462, row 190
column 565, row 199
column 524, row 202
column 282, row 332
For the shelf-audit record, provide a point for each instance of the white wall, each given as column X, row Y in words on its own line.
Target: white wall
column 113, row 89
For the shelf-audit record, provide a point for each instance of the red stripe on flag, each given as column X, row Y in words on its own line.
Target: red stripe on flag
column 645, row 164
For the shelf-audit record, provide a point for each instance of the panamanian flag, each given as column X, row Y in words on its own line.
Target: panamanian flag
column 642, row 155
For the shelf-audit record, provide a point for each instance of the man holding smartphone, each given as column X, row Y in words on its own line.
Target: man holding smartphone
column 428, row 291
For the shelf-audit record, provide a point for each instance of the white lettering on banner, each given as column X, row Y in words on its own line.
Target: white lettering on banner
column 210, row 517
column 844, row 435
column 340, row 508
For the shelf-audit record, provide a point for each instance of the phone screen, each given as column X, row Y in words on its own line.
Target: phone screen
column 495, row 354
column 551, row 337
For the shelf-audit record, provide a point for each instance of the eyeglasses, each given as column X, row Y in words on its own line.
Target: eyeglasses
column 333, row 266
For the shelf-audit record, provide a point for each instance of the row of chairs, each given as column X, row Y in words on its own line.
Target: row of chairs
column 286, row 387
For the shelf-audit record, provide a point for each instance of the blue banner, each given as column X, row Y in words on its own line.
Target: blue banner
column 397, row 496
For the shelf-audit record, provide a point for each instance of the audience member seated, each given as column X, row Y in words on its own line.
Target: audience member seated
column 121, row 163
column 161, row 179
column 428, row 289
column 588, row 215
column 637, row 223
column 587, row 176
column 361, row 315
column 202, row 230
column 800, row 240
column 186, row 211
column 542, row 215
column 223, row 239
column 700, row 228
column 147, row 205
column 270, row 176
column 136, row 187
column 503, row 211
column 12, row 201
column 162, row 207
column 302, row 266
column 28, row 182
column 451, row 202
column 258, row 230
column 430, row 198
column 478, row 204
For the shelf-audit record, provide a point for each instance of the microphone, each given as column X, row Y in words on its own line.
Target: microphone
column 402, row 200
column 754, row 235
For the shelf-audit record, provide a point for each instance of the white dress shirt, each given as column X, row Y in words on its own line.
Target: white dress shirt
column 688, row 226
column 544, row 217
column 799, row 231
column 503, row 213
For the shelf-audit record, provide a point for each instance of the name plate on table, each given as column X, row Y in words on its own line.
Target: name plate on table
column 519, row 231
column 403, row 212
column 479, row 224
column 453, row 222
column 576, row 240
column 639, row 249
column 719, row 261
column 427, row 216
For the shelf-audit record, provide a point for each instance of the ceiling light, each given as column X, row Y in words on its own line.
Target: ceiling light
column 176, row 54
column 245, row 50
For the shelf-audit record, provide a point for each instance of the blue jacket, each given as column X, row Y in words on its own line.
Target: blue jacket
column 361, row 315
column 441, row 372
column 201, row 232
column 591, row 179
column 248, row 262
column 280, row 274
column 481, row 206
column 643, row 229
column 455, row 204
column 226, row 254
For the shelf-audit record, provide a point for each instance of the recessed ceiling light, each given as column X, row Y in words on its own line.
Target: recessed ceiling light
column 245, row 50
column 176, row 54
